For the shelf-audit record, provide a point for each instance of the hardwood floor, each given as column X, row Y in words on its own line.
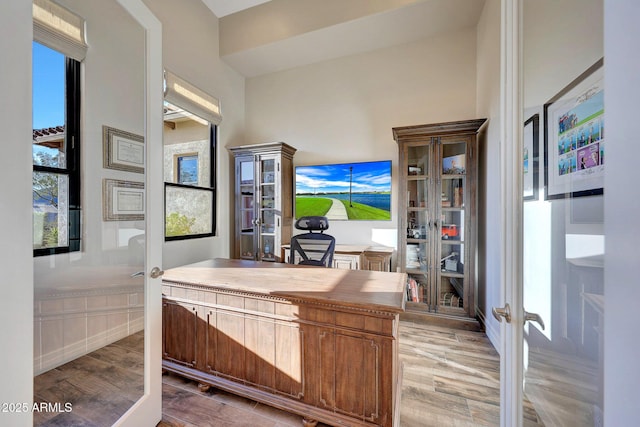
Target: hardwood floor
column 100, row 386
column 450, row 378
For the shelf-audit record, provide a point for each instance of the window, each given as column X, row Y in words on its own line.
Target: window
column 187, row 169
column 56, row 152
column 189, row 174
column 191, row 117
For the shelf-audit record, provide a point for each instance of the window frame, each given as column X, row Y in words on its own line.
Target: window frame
column 212, row 179
column 72, row 156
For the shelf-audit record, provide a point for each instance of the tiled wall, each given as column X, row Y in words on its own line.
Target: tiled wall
column 69, row 324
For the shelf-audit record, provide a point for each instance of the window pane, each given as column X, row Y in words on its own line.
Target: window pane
column 187, row 148
column 188, row 211
column 48, row 107
column 188, row 170
column 50, row 210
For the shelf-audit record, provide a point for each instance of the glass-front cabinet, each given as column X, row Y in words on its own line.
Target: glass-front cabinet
column 263, row 190
column 438, row 197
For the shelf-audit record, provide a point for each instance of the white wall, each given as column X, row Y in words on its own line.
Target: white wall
column 16, row 286
column 622, row 196
column 561, row 39
column 190, row 50
column 488, row 105
column 343, row 110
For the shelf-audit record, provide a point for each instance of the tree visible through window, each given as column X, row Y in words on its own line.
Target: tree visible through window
column 55, row 147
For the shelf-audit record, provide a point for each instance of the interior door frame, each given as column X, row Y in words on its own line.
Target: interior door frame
column 147, row 411
column 511, row 137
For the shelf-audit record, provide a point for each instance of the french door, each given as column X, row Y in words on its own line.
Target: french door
column 553, row 253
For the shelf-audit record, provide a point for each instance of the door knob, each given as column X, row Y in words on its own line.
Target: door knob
column 534, row 317
column 499, row 313
column 155, row 273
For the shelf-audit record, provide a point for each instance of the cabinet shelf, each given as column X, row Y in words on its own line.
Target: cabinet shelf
column 452, row 242
column 417, row 271
column 445, row 273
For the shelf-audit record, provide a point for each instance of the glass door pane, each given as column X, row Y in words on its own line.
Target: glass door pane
column 419, row 225
column 452, row 225
column 247, row 209
column 268, row 224
column 563, row 245
column 94, row 308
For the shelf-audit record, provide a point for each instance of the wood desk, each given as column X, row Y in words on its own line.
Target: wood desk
column 319, row 342
column 355, row 257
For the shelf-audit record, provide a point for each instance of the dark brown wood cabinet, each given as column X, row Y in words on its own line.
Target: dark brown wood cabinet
column 438, row 215
column 324, row 351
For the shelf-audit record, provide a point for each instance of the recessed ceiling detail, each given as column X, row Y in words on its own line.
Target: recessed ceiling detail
column 226, row 7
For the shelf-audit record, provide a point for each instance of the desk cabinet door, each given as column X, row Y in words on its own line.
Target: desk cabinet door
column 347, row 262
column 350, row 382
column 179, row 330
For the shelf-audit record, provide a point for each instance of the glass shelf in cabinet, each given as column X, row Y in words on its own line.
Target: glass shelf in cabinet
column 447, row 273
column 451, row 241
column 412, row 240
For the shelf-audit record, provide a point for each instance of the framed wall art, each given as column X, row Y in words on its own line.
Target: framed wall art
column 122, row 150
column 574, row 141
column 530, row 156
column 122, row 200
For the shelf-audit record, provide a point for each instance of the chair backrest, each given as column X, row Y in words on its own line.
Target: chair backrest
column 312, row 248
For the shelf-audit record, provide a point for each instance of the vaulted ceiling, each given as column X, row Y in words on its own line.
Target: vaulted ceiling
column 263, row 36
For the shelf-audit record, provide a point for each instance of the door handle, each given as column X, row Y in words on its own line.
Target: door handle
column 155, row 273
column 533, row 317
column 137, row 274
column 499, row 313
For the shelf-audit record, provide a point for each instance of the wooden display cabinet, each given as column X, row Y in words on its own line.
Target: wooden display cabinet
column 437, row 215
column 263, row 192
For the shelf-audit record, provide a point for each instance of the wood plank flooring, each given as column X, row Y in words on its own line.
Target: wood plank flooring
column 100, row 386
column 450, row 378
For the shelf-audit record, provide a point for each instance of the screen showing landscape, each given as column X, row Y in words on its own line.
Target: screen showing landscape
column 346, row 191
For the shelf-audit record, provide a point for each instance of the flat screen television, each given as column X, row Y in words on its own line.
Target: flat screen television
column 344, row 191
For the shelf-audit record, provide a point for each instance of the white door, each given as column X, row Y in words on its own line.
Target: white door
column 97, row 291
column 553, row 275
column 148, row 409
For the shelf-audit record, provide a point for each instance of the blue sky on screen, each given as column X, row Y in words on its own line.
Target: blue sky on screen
column 367, row 177
column 48, row 87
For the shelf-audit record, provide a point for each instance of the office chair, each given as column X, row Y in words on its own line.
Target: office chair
column 313, row 247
